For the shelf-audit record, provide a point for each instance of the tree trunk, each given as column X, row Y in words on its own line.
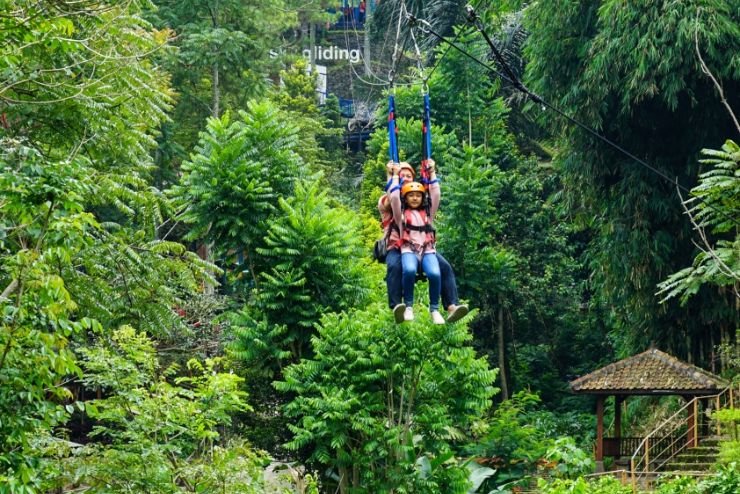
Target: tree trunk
column 689, row 348
column 215, row 89
column 712, row 354
column 724, row 341
column 312, row 43
column 215, row 93
column 502, row 350
column 470, row 121
column 355, row 477
column 343, row 481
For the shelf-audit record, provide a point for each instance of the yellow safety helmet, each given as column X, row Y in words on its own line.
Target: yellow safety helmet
column 412, row 187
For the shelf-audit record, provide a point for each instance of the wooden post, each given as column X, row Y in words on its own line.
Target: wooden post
column 634, row 478
column 719, row 428
column 600, row 428
column 696, row 422
column 647, row 456
column 691, row 432
column 732, row 399
column 618, row 422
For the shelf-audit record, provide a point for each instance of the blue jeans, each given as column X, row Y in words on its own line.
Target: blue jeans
column 430, row 266
column 393, row 275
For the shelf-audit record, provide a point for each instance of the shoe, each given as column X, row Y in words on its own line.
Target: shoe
column 437, row 317
column 398, row 313
column 408, row 314
column 456, row 312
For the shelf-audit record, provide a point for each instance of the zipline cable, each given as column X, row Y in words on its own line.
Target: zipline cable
column 412, row 23
column 417, row 51
column 392, row 129
column 366, row 61
column 426, row 120
column 427, row 29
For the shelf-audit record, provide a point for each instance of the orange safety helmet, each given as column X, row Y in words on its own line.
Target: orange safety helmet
column 406, row 166
column 412, row 187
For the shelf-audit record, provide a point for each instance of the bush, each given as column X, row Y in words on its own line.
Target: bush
column 571, row 461
column 604, row 485
column 729, row 451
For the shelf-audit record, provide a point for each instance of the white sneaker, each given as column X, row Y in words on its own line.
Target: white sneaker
column 437, row 317
column 408, row 314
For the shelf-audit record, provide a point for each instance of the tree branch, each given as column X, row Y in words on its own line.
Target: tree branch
column 9, row 289
column 706, row 70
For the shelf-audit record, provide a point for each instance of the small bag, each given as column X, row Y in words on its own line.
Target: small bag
column 380, row 250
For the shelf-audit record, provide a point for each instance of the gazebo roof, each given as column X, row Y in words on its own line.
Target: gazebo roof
column 650, row 372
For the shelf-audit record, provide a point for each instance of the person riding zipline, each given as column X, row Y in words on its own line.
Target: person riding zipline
column 401, row 242
column 393, row 278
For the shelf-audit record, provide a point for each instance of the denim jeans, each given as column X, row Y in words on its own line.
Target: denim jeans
column 430, row 266
column 393, row 275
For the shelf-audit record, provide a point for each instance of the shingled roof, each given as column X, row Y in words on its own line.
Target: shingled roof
column 650, row 372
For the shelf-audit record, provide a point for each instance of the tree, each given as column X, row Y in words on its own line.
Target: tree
column 383, row 404
column 510, row 441
column 631, row 71
column 62, row 267
column 44, row 224
column 155, row 432
column 713, row 206
column 512, row 258
column 69, row 73
column 230, row 186
column 222, row 55
column 464, row 98
column 315, row 265
column 80, row 225
column 321, row 138
column 442, row 14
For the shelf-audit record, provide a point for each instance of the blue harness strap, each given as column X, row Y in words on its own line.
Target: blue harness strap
column 426, row 140
column 392, row 130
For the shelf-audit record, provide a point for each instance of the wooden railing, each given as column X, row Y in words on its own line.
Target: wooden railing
column 677, row 433
column 625, row 446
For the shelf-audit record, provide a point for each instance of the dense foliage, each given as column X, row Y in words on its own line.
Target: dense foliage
column 188, row 301
column 632, row 71
column 378, row 401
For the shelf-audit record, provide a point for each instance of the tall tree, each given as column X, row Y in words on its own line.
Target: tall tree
column 713, row 208
column 313, row 265
column 81, row 102
column 80, row 74
column 223, row 54
column 631, row 71
column 230, row 187
column 383, row 404
column 155, row 432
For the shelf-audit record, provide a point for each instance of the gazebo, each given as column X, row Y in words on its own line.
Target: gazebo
column 649, row 373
